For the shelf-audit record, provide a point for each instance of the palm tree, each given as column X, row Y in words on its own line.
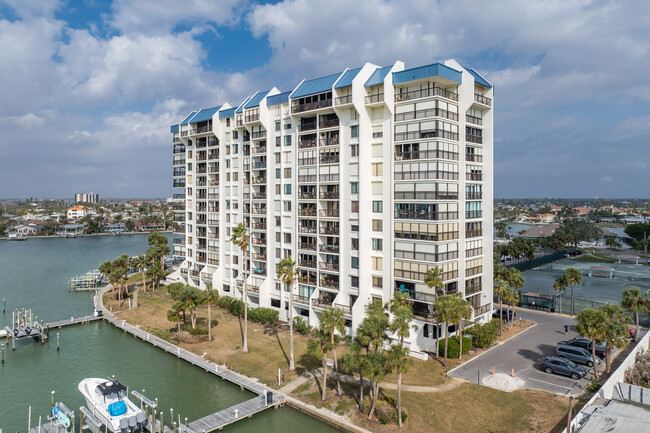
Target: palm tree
column 318, row 348
column 635, row 301
column 616, row 333
column 121, row 266
column 500, row 290
column 511, row 298
column 400, row 308
column 354, row 360
column 444, row 308
column 331, row 322
column 240, row 238
column 211, row 296
column 287, row 273
column 592, row 324
column 560, row 284
column 175, row 316
column 516, row 281
column 106, row 268
column 134, row 262
column 433, row 279
column 573, row 276
column 399, row 359
column 462, row 311
column 140, row 263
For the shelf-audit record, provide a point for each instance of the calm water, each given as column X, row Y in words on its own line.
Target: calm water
column 34, row 274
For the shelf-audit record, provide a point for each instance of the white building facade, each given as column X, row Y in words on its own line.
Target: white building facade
column 367, row 178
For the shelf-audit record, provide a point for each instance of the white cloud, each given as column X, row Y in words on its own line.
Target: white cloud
column 29, row 120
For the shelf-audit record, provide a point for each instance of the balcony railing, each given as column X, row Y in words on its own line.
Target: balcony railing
column 482, row 99
column 306, row 230
column 425, row 174
column 330, row 231
column 201, row 129
column 307, row 280
column 259, row 180
column 307, row 126
column 430, row 133
column 321, row 303
column 258, row 134
column 331, row 284
column 332, row 141
column 342, row 100
column 426, row 93
column 473, row 214
column 259, row 149
column 474, row 138
column 257, row 256
column 331, row 159
column 344, row 308
column 425, row 195
column 473, row 119
column 307, row 246
column 329, row 213
column 252, row 118
column 301, row 299
column 259, row 196
column 332, row 177
column 311, row 106
column 307, row 195
column 473, row 157
column 259, row 210
column 307, row 161
column 474, row 176
column 258, row 241
column 329, row 266
column 258, row 226
column 334, row 249
column 425, row 215
column 373, row 99
column 332, row 123
column 307, row 264
column 474, row 195
column 482, row 310
column 306, row 144
column 430, row 112
column 329, row 195
column 426, row 154
column 307, row 212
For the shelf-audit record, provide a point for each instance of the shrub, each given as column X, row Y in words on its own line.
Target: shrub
column 235, row 306
column 301, row 326
column 453, row 346
column 594, row 385
column 484, row 335
column 225, row 301
column 198, row 331
column 263, row 315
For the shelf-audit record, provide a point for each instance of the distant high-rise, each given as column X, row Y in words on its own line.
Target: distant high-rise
column 364, row 177
column 82, row 197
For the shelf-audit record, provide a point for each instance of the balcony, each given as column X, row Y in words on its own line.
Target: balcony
column 426, row 93
column 332, row 177
column 329, row 231
column 426, row 174
column 329, row 266
column 421, row 114
column 176, row 140
column 482, row 99
column 261, row 257
column 332, row 141
column 307, row 126
column 343, row 100
column 258, row 241
column 201, row 130
column 259, row 149
column 213, row 182
column 425, row 215
column 306, row 143
column 259, row 210
column 307, row 280
column 425, row 195
column 329, row 283
column 329, row 213
column 470, row 214
column 307, row 264
column 308, row 195
column 304, row 300
column 426, row 154
column 374, row 99
column 473, row 157
column 329, row 195
column 478, row 195
column 307, row 161
column 252, row 117
column 474, row 138
column 307, row 246
column 179, row 183
column 329, row 159
column 258, row 226
column 259, row 196
column 307, row 212
column 473, row 119
column 255, row 135
column 332, row 123
column 344, row 308
column 332, row 249
column 307, row 230
column 321, row 303
column 311, row 106
column 474, row 176
column 259, row 180
column 430, row 133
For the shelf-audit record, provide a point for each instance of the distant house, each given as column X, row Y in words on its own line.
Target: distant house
column 76, row 212
column 70, row 229
column 23, row 229
column 147, row 227
column 540, row 231
column 114, row 227
column 582, row 211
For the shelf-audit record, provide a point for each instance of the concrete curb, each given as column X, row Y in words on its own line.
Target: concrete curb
column 493, row 347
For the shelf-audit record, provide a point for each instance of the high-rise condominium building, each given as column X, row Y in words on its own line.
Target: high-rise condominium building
column 367, row 178
column 82, row 197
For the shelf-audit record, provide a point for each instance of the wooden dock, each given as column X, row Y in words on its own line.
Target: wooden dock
column 72, row 321
column 219, row 420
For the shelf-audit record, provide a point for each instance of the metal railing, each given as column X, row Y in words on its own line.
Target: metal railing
column 329, row 195
column 482, row 99
column 307, row 264
column 329, row 213
column 426, row 154
column 307, row 126
column 306, row 230
column 331, row 284
column 307, row 246
column 373, row 99
column 425, row 215
column 425, row 195
column 306, row 144
column 342, row 100
column 329, row 266
column 311, row 106
column 332, row 141
column 307, row 195
column 474, row 176
column 426, row 93
column 430, row 133
column 258, row 134
column 307, row 212
column 332, row 123
column 201, row 129
column 426, row 174
column 429, row 112
column 474, row 138
column 473, row 119
column 473, row 157
column 333, row 249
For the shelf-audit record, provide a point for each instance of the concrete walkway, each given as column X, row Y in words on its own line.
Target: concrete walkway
column 318, row 373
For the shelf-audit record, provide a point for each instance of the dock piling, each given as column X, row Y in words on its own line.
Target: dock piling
column 57, row 341
column 3, row 353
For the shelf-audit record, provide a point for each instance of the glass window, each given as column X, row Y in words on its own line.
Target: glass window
column 287, row 140
column 278, row 173
column 354, row 131
column 355, row 262
column 277, row 126
column 287, row 188
column 377, row 244
column 354, row 187
column 377, row 206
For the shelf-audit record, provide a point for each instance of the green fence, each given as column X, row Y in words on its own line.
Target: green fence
column 537, row 261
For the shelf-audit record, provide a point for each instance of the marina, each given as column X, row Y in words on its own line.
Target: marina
column 91, row 280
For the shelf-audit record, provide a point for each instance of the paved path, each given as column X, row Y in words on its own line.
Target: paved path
column 524, row 353
column 318, row 373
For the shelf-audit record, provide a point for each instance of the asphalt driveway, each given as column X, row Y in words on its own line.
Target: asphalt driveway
column 525, row 352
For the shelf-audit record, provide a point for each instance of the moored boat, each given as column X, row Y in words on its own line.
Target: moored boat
column 107, row 400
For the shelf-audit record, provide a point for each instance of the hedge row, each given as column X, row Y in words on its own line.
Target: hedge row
column 258, row 315
column 484, row 335
column 454, row 346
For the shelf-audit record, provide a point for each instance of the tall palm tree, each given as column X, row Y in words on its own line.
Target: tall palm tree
column 573, row 276
column 500, row 290
column 433, row 279
column 121, row 266
column 140, row 263
column 635, row 301
column 211, row 296
column 174, row 315
column 400, row 308
column 134, row 263
column 511, row 298
column 516, row 281
column 592, row 323
column 287, row 273
column 444, row 308
column 106, row 268
column 240, row 238
column 560, row 285
column 462, row 311
column 318, row 348
column 616, row 332
column 331, row 322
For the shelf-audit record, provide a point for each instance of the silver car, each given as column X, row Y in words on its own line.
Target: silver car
column 576, row 354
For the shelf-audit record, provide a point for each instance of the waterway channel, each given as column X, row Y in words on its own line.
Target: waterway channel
column 34, row 274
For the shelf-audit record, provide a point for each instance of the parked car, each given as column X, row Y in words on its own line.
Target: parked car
column 508, row 315
column 554, row 364
column 585, row 343
column 576, row 354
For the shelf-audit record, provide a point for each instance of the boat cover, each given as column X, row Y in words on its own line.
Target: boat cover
column 118, row 408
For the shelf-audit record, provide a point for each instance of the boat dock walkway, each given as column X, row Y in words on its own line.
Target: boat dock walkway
column 72, row 321
column 219, row 420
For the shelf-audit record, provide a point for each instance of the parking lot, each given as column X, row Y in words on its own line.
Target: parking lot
column 524, row 354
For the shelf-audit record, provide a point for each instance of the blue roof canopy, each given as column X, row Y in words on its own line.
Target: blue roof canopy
column 318, row 85
column 478, row 78
column 346, row 78
column 278, row 99
column 204, row 114
column 230, row 112
column 378, row 76
column 434, row 70
column 241, row 106
column 174, row 128
column 255, row 100
column 187, row 119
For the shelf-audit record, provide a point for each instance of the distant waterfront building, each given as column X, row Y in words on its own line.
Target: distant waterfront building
column 77, row 212
column 367, row 178
column 82, row 197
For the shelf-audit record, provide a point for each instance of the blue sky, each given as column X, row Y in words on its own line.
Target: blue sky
column 89, row 87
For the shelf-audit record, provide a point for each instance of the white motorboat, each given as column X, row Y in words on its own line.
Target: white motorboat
column 107, row 400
